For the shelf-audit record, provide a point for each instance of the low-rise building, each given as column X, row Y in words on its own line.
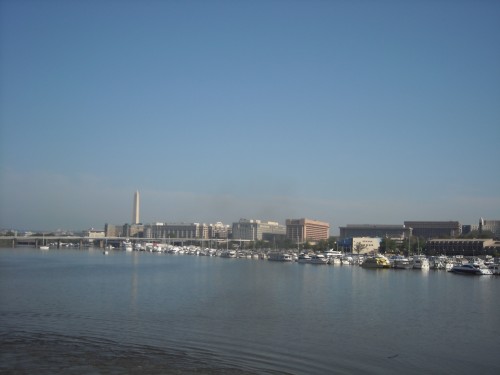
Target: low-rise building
column 465, row 247
column 434, row 229
column 374, row 230
column 365, row 245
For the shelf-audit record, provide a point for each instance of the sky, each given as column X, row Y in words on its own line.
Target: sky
column 348, row 112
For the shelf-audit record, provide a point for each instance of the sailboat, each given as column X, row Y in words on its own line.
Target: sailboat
column 43, row 246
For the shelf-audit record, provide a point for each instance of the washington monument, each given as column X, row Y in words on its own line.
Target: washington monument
column 135, row 214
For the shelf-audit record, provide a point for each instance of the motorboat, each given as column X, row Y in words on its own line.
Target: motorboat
column 44, row 247
column 280, row 257
column 377, row 261
column 471, row 269
column 420, row 263
column 401, row 263
column 304, row 258
column 228, row 254
column 318, row 259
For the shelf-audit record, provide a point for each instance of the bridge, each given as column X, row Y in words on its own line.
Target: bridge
column 83, row 241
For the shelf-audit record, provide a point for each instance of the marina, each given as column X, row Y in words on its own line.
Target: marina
column 163, row 312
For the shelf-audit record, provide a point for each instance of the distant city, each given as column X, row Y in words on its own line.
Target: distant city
column 436, row 235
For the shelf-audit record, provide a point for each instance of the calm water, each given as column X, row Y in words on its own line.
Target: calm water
column 80, row 312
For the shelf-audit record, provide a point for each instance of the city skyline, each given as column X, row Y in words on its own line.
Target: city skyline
column 344, row 112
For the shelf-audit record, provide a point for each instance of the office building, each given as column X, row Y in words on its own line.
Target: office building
column 467, row 248
column 374, row 230
column 302, row 230
column 257, row 230
column 434, row 229
column 492, row 226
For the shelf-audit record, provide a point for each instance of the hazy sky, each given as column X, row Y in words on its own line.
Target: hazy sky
column 349, row 112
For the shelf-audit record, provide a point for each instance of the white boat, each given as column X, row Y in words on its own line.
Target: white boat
column 304, row 258
column 471, row 269
column 420, row 262
column 127, row 245
column 318, row 259
column 400, row 262
column 495, row 269
column 347, row 261
column 228, row 254
column 44, row 247
column 280, row 257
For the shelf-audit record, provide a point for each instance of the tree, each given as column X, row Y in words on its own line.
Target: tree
column 359, row 247
column 387, row 245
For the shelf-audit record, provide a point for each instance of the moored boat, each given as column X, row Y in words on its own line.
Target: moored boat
column 471, row 269
column 280, row 257
column 377, row 261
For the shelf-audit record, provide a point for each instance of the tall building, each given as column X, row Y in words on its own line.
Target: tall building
column 302, row 230
column 135, row 213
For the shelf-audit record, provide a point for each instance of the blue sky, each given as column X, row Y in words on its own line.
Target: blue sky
column 348, row 112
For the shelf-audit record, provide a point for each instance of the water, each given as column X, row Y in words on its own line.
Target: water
column 80, row 312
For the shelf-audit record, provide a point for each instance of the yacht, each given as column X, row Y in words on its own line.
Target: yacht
column 304, row 258
column 377, row 261
column 401, row 263
column 318, row 259
column 420, row 263
column 280, row 257
column 471, row 269
column 228, row 254
column 44, row 247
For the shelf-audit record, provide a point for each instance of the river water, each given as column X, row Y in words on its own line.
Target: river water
column 82, row 312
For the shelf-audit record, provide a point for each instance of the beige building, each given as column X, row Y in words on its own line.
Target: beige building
column 302, row 230
column 257, row 230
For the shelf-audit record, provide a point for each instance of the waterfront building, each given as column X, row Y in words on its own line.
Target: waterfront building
column 464, row 247
column 176, row 230
column 302, row 230
column 257, row 230
column 94, row 233
column 375, row 230
column 366, row 244
column 111, row 230
column 219, row 231
column 489, row 225
column 434, row 229
column 135, row 213
column 132, row 230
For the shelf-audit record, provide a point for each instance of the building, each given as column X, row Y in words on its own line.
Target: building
column 434, row 229
column 111, row 230
column 365, row 244
column 492, row 226
column 219, row 231
column 467, row 248
column 94, row 233
column 176, row 230
column 374, row 230
column 257, row 230
column 302, row 230
column 135, row 213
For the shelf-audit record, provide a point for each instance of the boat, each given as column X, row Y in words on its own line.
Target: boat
column 44, row 247
column 228, row 254
column 420, row 262
column 280, row 257
column 471, row 269
column 127, row 245
column 318, row 259
column 400, row 263
column 304, row 258
column 495, row 269
column 377, row 261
